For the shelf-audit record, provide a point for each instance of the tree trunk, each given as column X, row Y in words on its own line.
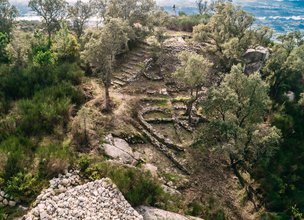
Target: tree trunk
column 249, row 190
column 107, row 84
column 49, row 39
column 233, row 165
column 190, row 104
column 107, row 107
column 189, row 110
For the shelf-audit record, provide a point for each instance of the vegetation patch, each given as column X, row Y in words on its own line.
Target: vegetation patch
column 138, row 187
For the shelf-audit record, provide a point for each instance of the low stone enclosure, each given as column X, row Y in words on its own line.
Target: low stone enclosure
column 168, row 129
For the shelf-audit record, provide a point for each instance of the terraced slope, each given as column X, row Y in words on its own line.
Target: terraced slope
column 130, row 69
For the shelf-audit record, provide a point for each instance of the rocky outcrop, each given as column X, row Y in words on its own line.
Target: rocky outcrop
column 150, row 72
column 176, row 43
column 150, row 168
column 150, row 213
column 255, row 59
column 119, row 149
column 95, row 200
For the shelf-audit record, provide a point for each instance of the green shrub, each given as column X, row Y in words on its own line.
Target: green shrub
column 41, row 116
column 138, row 187
column 3, row 104
column 18, row 151
column 84, row 163
column 2, row 181
column 186, row 22
column 195, row 208
column 4, row 58
column 24, row 187
column 60, row 91
column 274, row 216
column 3, row 215
column 47, row 109
column 54, row 159
column 12, row 83
column 210, row 210
column 44, row 58
column 24, row 83
column 69, row 72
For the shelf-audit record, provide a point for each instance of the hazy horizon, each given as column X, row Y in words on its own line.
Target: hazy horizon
column 281, row 15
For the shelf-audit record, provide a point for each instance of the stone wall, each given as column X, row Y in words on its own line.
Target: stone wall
column 6, row 200
column 98, row 200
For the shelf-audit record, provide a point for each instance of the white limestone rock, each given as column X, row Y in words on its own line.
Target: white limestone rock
column 118, row 149
column 150, row 213
column 94, row 200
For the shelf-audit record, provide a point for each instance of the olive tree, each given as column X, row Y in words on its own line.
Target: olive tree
column 193, row 72
column 201, row 6
column 52, row 12
column 227, row 35
column 101, row 8
column 284, row 70
column 102, row 48
column 19, row 48
column 65, row 45
column 207, row 7
column 4, row 58
column 7, row 15
column 133, row 11
column 236, row 111
column 79, row 14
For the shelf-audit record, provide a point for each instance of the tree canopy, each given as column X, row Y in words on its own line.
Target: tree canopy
column 236, row 110
column 101, row 50
column 227, row 35
column 284, row 69
column 52, row 12
column 8, row 13
column 193, row 72
column 80, row 13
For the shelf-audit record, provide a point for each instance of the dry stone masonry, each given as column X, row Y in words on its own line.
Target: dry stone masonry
column 99, row 200
column 132, row 67
column 6, row 200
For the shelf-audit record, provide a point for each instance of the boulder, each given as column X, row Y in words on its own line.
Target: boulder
column 5, row 202
column 151, row 168
column 12, row 203
column 150, row 213
column 290, row 96
column 117, row 148
column 255, row 59
column 175, row 42
column 170, row 190
column 256, row 55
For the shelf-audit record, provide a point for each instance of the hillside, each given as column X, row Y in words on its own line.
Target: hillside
column 149, row 116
